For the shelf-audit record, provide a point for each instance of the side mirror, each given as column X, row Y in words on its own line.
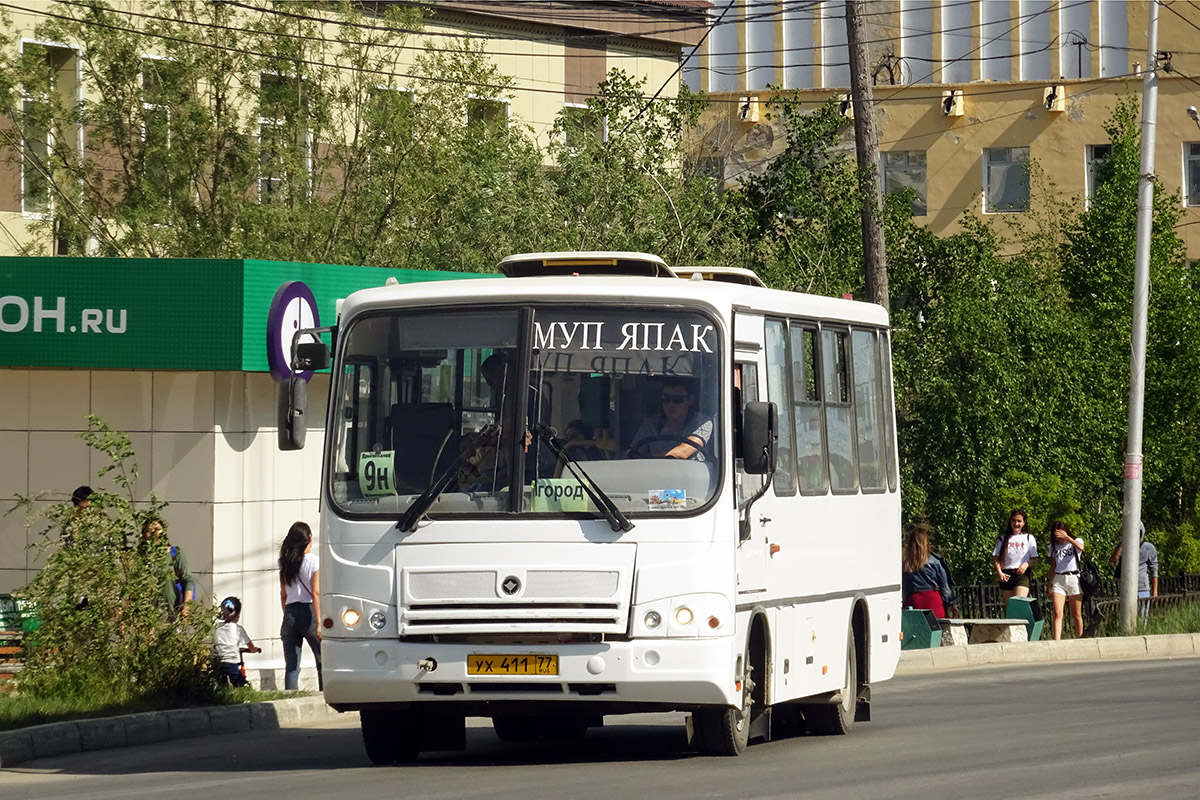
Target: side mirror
column 291, row 403
column 310, row 356
column 760, row 421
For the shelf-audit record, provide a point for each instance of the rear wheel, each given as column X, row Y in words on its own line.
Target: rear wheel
column 835, row 719
column 726, row 731
column 389, row 736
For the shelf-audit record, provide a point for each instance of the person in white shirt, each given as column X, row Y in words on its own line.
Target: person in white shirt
column 1065, row 549
column 230, row 641
column 1015, row 551
column 300, row 597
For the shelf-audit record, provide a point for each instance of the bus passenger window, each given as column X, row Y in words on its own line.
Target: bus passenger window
column 868, row 411
column 839, row 417
column 777, row 393
column 806, row 394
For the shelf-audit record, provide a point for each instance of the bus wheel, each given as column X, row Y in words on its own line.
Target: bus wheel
column 835, row 719
column 389, row 736
column 726, row 731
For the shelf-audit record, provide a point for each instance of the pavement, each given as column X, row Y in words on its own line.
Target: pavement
column 76, row 736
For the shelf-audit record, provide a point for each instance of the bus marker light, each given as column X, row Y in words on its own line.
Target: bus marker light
column 713, row 622
column 377, row 620
column 327, row 622
column 683, row 615
column 652, row 619
column 824, row 669
column 350, row 617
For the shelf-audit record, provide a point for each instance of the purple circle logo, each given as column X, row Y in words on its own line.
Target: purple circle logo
column 293, row 308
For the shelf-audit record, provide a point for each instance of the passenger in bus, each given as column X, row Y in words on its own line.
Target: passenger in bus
column 925, row 578
column 679, row 431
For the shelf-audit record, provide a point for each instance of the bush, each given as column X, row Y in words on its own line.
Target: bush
column 105, row 635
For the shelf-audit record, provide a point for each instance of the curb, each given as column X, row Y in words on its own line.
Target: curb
column 76, row 736
column 934, row 659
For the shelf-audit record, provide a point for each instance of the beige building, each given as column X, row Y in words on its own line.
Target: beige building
column 555, row 55
column 968, row 93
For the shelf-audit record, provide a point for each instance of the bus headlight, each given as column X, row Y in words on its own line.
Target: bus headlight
column 683, row 615
column 377, row 620
column 351, row 617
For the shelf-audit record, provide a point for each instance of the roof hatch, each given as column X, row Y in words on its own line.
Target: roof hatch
column 594, row 262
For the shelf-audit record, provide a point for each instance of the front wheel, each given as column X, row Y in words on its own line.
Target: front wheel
column 726, row 731
column 389, row 737
column 837, row 719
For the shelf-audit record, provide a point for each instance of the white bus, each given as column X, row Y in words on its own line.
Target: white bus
column 600, row 488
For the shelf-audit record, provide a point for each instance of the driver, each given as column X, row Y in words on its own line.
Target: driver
column 679, row 431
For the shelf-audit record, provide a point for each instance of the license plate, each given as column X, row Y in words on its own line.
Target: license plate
column 525, row 664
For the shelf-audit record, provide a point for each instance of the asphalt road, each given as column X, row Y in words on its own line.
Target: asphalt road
column 1128, row 729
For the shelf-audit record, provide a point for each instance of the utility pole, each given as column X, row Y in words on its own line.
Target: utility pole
column 866, row 139
column 1130, row 540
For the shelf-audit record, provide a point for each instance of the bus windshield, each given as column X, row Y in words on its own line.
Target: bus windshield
column 463, row 400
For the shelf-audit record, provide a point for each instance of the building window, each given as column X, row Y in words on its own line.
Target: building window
column 1096, row 154
column 581, row 124
column 916, row 40
column 957, row 41
column 54, row 84
column 284, row 139
column 492, row 115
column 905, row 169
column 1006, row 180
column 160, row 79
column 1192, row 173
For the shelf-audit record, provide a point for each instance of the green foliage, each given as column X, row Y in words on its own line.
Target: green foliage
column 105, row 636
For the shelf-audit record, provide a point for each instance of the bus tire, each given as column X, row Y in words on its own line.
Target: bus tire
column 836, row 719
column 389, row 737
column 726, row 731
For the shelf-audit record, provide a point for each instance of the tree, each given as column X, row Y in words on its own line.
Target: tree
column 104, row 635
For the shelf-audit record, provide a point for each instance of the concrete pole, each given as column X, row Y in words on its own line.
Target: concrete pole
column 1130, row 540
column 866, row 138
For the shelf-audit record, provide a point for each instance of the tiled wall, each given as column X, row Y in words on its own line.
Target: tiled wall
column 205, row 442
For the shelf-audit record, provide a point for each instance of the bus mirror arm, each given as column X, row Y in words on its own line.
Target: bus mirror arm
column 760, row 422
column 744, row 523
column 291, row 402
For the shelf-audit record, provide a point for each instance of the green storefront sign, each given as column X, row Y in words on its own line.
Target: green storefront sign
column 161, row 313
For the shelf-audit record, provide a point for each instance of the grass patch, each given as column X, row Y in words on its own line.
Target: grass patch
column 23, row 710
column 1181, row 618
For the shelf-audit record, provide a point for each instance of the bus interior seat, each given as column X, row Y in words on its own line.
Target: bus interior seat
column 421, row 434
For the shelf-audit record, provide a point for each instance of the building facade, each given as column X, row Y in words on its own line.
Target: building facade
column 968, row 94
column 547, row 58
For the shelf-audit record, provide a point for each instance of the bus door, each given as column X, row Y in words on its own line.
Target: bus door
column 747, row 384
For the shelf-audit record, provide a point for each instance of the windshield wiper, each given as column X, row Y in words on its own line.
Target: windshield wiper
column 616, row 520
column 418, row 507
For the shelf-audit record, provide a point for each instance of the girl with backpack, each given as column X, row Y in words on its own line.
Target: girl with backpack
column 300, row 596
column 1066, row 552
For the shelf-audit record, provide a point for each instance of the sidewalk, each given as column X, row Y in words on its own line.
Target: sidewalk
column 61, row 738
column 1103, row 649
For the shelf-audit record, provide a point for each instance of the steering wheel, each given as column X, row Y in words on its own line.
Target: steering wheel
column 642, row 450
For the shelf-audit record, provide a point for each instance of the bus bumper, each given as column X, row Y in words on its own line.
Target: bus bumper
column 664, row 674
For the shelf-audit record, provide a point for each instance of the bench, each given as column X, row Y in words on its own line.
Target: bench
column 981, row 631
column 919, row 629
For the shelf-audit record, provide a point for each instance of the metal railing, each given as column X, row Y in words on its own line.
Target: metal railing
column 982, row 600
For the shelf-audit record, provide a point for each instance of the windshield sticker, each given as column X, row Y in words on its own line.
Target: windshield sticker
column 558, row 494
column 375, row 475
column 668, row 499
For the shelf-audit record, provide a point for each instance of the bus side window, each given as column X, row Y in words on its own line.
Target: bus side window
column 839, row 411
column 745, row 390
column 777, row 393
column 868, row 410
column 809, row 421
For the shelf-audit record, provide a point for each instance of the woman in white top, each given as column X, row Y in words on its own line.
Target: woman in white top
column 1015, row 550
column 300, row 596
column 1065, row 549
